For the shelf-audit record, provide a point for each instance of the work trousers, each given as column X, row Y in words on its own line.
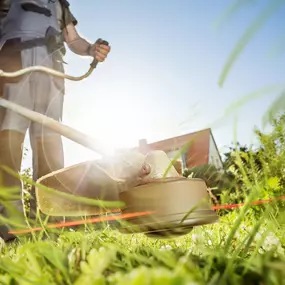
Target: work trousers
column 41, row 93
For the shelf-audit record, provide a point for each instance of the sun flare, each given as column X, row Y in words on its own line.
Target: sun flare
column 115, row 124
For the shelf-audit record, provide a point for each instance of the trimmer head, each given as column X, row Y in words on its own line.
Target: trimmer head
column 177, row 204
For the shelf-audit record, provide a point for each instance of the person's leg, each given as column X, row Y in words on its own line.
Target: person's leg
column 12, row 133
column 10, row 157
column 47, row 157
column 46, row 145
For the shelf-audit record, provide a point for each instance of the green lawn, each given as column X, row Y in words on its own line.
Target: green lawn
column 233, row 251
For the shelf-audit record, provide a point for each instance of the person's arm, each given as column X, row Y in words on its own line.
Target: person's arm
column 75, row 42
column 80, row 46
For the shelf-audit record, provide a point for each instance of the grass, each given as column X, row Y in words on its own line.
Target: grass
column 237, row 250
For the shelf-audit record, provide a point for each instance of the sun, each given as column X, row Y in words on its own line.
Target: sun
column 118, row 124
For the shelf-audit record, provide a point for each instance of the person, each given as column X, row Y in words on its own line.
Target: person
column 33, row 32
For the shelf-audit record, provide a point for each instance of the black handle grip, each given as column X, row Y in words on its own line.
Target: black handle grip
column 105, row 43
column 94, row 63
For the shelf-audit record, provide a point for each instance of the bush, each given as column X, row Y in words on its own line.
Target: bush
column 262, row 168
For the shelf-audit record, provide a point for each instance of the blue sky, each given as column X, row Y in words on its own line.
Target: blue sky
column 161, row 77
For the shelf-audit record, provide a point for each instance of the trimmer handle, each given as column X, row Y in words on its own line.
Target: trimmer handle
column 94, row 63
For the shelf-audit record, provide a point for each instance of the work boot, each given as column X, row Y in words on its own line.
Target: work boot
column 47, row 157
column 11, row 143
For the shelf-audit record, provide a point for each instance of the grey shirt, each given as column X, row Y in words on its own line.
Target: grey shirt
column 64, row 14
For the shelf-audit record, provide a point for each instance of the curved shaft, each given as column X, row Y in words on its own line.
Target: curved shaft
column 64, row 130
column 50, row 71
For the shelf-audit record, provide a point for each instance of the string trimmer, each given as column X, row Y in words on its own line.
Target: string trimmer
column 176, row 204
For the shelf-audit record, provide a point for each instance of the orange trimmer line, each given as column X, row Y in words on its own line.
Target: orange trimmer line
column 82, row 222
column 133, row 215
column 258, row 202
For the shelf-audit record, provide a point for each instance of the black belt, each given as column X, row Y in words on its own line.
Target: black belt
column 16, row 44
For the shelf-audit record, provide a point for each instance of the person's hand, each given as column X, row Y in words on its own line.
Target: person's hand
column 99, row 50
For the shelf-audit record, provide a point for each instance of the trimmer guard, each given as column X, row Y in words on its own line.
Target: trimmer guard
column 177, row 204
column 85, row 179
